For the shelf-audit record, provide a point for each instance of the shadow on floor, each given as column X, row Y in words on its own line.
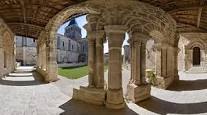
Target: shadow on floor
column 74, row 107
column 163, row 107
column 184, row 85
column 37, row 81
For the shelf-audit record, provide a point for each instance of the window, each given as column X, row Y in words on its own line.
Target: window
column 69, row 45
column 58, row 42
column 63, row 46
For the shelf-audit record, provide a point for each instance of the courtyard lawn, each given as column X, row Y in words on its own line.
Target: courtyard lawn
column 75, row 72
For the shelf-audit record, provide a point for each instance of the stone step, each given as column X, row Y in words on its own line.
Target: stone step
column 198, row 69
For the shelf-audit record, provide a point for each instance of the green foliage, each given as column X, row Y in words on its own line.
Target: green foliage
column 75, row 72
column 151, row 77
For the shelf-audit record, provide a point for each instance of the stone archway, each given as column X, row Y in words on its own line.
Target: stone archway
column 113, row 21
column 196, row 56
column 47, row 39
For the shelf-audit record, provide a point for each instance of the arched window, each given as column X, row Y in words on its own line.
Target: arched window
column 196, row 56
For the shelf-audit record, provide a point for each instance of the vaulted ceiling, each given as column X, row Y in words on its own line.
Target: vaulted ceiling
column 29, row 17
column 190, row 15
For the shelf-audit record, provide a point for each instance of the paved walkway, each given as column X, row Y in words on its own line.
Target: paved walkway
column 23, row 93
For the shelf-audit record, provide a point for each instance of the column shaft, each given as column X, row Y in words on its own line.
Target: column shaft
column 137, row 62
column 2, row 57
column 99, row 63
column 51, row 61
column 161, row 61
column 138, row 90
column 116, row 35
column 91, row 61
column 143, row 63
column 164, row 62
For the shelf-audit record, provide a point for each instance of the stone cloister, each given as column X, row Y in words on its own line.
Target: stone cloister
column 109, row 20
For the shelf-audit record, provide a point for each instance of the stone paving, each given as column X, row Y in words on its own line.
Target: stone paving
column 23, row 93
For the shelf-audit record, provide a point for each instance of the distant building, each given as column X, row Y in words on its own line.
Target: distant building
column 71, row 48
column 26, row 52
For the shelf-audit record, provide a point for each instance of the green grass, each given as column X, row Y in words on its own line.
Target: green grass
column 75, row 72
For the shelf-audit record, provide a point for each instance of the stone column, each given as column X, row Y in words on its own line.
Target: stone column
column 51, row 59
column 44, row 56
column 91, row 59
column 163, row 65
column 176, row 76
column 136, row 64
column 95, row 92
column 158, row 62
column 143, row 62
column 138, row 89
column 38, row 54
column 2, row 56
column 116, row 36
column 99, row 59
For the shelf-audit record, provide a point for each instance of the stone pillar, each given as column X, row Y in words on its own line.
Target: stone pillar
column 176, row 76
column 91, row 59
column 164, row 65
column 188, row 59
column 51, row 59
column 2, row 56
column 95, row 92
column 44, row 56
column 116, row 36
column 38, row 54
column 138, row 89
column 99, row 59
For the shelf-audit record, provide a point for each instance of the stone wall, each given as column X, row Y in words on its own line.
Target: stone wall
column 150, row 55
column 7, row 48
column 67, row 56
column 26, row 55
column 186, row 44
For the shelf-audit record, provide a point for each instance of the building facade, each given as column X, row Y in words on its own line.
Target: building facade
column 71, row 48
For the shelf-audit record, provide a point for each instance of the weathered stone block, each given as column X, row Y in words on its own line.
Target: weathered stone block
column 90, row 95
column 138, row 93
column 115, row 99
column 164, row 83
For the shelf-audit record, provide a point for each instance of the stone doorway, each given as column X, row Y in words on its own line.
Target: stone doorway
column 196, row 56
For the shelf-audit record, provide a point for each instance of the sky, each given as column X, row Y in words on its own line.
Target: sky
column 81, row 22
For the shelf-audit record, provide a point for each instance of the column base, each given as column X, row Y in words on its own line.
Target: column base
column 164, row 82
column 114, row 99
column 90, row 95
column 45, row 75
column 137, row 93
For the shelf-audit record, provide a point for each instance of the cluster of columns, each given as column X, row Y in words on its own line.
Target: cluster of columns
column 166, row 64
column 116, row 36
column 95, row 93
column 95, row 59
column 46, row 57
column 138, row 89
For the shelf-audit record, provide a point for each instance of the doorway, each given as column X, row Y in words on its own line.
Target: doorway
column 196, row 56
